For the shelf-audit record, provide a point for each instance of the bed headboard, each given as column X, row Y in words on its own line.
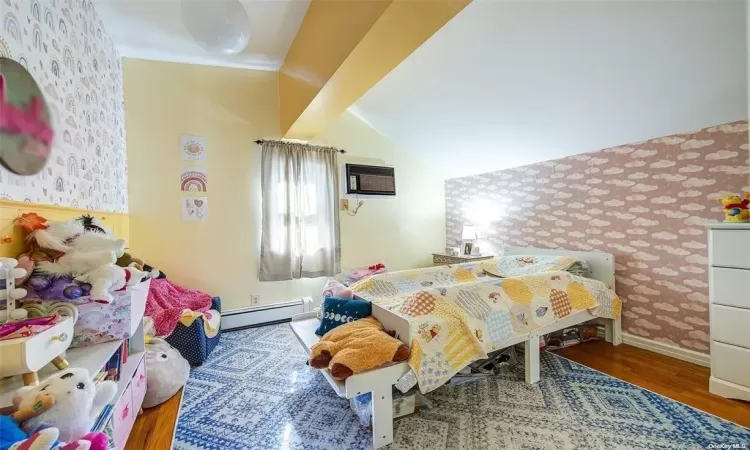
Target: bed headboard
column 602, row 264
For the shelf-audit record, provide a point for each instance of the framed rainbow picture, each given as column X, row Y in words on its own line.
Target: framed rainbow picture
column 193, row 179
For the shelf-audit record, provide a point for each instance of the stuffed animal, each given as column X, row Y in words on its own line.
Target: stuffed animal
column 94, row 226
column 48, row 287
column 78, row 402
column 51, row 240
column 128, row 260
column 79, row 248
column 736, row 209
column 355, row 347
column 12, row 437
column 106, row 279
column 166, row 372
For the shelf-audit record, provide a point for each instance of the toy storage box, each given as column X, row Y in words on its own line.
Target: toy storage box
column 100, row 322
column 192, row 342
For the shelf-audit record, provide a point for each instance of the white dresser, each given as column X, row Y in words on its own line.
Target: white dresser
column 729, row 279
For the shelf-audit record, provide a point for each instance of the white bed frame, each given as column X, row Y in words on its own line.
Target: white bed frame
column 380, row 381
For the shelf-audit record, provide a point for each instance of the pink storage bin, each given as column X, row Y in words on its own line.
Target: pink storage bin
column 100, row 322
column 123, row 418
column 138, row 385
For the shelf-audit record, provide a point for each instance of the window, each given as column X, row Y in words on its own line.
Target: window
column 300, row 237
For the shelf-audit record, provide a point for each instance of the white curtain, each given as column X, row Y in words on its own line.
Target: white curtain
column 300, row 238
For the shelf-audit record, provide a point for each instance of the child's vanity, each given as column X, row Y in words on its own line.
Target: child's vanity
column 30, row 351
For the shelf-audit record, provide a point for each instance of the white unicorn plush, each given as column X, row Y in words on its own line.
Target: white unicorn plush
column 85, row 249
column 78, row 402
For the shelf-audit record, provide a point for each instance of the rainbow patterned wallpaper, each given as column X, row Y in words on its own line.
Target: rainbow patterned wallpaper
column 646, row 203
column 64, row 46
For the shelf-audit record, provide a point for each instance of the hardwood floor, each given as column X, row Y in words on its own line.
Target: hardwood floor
column 154, row 428
column 678, row 380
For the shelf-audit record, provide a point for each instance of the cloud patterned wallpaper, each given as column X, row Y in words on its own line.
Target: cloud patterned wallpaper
column 646, row 203
column 64, row 46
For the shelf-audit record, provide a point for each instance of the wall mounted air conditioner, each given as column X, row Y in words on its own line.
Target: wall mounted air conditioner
column 365, row 180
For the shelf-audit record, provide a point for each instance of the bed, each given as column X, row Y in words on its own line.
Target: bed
column 380, row 381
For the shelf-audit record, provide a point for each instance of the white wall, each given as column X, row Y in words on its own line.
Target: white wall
column 510, row 83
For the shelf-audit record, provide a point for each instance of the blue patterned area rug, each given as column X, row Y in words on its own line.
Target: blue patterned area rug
column 255, row 392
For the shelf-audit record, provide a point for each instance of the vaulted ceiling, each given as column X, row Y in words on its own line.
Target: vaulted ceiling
column 508, row 83
column 483, row 87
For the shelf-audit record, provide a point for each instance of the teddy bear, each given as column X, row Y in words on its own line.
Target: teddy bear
column 356, row 347
column 736, row 209
column 78, row 402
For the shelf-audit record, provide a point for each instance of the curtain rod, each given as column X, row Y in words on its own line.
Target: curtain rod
column 261, row 141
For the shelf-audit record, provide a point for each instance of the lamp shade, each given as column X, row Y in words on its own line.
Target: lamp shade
column 469, row 232
column 219, row 26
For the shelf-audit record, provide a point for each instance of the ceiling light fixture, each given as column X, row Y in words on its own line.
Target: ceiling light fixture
column 219, row 26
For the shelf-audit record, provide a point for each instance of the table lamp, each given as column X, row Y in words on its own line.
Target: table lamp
column 469, row 234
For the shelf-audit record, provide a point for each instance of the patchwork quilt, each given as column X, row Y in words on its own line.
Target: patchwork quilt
column 460, row 313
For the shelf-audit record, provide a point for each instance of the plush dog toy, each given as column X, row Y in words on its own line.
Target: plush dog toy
column 166, row 372
column 356, row 347
column 78, row 402
column 736, row 209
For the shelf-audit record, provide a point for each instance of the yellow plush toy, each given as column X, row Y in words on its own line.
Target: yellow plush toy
column 736, row 209
column 356, row 347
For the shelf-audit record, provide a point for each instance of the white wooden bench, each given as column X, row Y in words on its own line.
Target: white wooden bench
column 379, row 381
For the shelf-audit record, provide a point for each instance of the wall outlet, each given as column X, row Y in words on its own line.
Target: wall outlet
column 255, row 299
column 344, row 204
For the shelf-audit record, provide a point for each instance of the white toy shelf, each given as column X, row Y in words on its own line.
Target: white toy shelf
column 131, row 387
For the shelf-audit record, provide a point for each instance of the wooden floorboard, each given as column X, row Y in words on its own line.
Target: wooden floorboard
column 153, row 430
column 678, row 380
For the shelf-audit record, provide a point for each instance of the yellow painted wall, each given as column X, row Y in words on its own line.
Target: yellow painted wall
column 402, row 231
column 232, row 108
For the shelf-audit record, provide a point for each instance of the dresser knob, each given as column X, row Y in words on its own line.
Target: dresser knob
column 62, row 337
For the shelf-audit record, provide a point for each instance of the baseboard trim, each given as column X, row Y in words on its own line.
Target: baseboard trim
column 257, row 325
column 691, row 356
column 236, row 319
column 728, row 390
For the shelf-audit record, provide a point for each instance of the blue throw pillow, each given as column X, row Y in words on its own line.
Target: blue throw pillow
column 338, row 311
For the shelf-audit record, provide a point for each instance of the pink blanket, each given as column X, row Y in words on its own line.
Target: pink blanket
column 166, row 302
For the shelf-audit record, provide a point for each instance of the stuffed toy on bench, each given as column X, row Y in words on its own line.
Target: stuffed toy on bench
column 356, row 347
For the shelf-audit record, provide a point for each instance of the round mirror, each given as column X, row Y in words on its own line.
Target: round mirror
column 25, row 129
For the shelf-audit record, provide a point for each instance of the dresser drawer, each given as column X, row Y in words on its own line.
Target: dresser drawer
column 730, row 287
column 730, row 325
column 123, row 418
column 730, row 248
column 138, row 386
column 31, row 353
column 730, row 363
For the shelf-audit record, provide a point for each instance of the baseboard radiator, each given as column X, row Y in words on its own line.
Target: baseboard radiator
column 264, row 315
